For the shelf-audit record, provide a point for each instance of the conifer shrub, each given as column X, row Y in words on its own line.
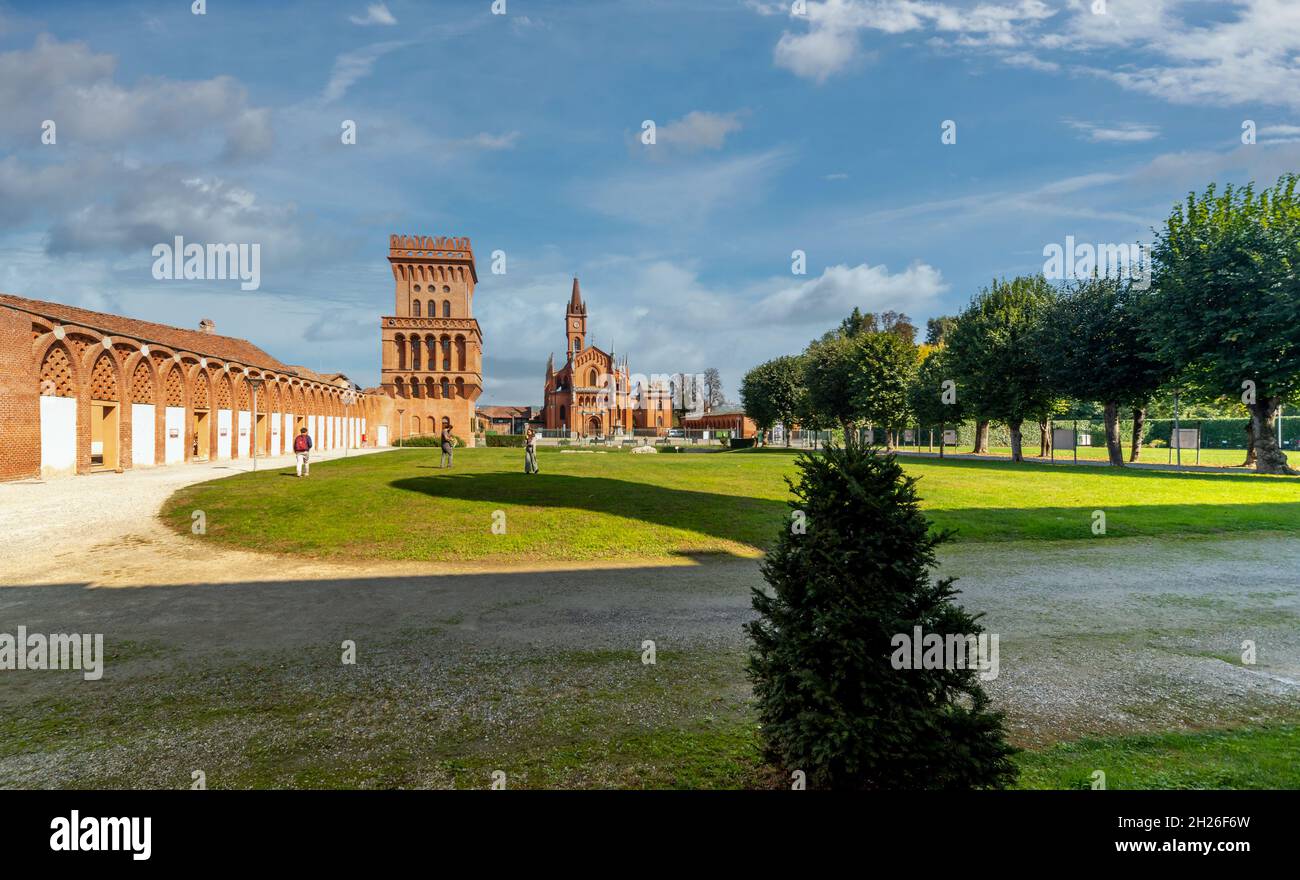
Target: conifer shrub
column 850, row 571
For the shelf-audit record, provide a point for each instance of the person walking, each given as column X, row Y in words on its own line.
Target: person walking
column 448, row 443
column 302, row 452
column 530, row 451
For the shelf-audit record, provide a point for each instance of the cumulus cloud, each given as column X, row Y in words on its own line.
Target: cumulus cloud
column 667, row 319
column 1246, row 52
column 698, row 130
column 839, row 289
column 829, row 44
column 156, row 207
column 376, row 13
column 76, row 88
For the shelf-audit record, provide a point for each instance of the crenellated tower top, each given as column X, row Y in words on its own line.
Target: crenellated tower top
column 428, row 249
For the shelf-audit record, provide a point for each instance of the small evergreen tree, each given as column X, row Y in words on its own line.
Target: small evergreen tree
column 830, row 701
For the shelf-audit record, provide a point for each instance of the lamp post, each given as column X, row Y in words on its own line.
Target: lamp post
column 255, row 383
column 399, row 428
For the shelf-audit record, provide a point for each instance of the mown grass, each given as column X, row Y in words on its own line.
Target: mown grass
column 1249, row 757
column 608, row 506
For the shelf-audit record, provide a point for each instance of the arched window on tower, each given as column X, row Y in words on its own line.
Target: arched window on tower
column 415, row 308
column 446, row 308
column 446, row 388
column 433, row 308
column 592, row 378
column 446, row 353
column 415, row 352
column 401, row 352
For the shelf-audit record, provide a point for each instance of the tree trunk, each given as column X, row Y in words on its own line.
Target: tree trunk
column 1044, row 440
column 1139, row 425
column 1269, row 459
column 981, row 438
column 941, row 430
column 1114, row 447
column 1017, row 454
column 1250, row 445
column 850, row 435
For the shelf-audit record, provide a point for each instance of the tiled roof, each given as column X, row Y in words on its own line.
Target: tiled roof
column 228, row 348
column 505, row 412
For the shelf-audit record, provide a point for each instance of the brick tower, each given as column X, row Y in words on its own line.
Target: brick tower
column 432, row 362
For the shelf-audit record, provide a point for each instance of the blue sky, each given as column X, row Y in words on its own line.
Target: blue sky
column 818, row 131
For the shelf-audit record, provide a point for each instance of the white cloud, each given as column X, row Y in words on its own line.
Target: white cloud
column 830, row 44
column 352, row 67
column 1124, row 132
column 76, row 88
column 1181, row 51
column 1032, row 62
column 376, row 13
column 487, row 141
column 698, row 130
column 666, row 319
column 841, row 288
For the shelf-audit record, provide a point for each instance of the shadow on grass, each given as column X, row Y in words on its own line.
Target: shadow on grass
column 1100, row 470
column 747, row 520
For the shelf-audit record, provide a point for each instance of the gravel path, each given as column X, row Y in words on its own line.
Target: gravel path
column 1096, row 637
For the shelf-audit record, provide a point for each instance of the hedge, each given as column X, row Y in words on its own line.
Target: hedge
column 513, row 440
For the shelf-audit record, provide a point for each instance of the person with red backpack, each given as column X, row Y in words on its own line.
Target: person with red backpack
column 302, row 450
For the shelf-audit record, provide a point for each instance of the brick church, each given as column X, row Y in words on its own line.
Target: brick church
column 591, row 394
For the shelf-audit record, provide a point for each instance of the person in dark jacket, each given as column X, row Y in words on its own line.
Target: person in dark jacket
column 448, row 443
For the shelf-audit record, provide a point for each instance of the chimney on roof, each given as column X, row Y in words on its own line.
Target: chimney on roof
column 207, row 326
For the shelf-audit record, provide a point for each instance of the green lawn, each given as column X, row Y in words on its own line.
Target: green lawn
column 1267, row 757
column 1226, row 458
column 608, row 506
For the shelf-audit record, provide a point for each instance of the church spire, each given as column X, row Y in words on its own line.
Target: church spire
column 576, row 305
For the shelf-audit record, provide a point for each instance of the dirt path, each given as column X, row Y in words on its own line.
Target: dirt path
column 103, row 531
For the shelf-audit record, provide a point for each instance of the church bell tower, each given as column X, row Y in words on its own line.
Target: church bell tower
column 575, row 322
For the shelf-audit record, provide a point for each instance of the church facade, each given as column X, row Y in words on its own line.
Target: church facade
column 592, row 393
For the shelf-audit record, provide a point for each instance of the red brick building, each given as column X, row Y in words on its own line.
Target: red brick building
column 84, row 391
column 723, row 418
column 505, row 419
column 592, row 394
column 432, row 347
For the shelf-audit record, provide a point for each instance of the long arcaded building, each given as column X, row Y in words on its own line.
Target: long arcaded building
column 84, row 391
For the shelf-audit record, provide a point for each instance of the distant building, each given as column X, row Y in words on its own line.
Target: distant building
column 728, row 417
column 592, row 394
column 506, row 419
